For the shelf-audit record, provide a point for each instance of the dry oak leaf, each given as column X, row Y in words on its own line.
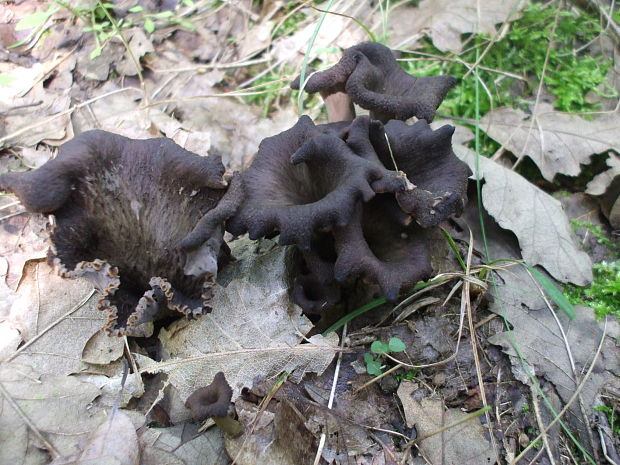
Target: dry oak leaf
column 537, row 219
column 59, row 406
column 463, row 444
column 254, row 329
column 557, row 142
column 600, row 182
column 445, row 20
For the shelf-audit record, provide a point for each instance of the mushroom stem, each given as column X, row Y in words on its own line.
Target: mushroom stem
column 339, row 107
column 229, row 425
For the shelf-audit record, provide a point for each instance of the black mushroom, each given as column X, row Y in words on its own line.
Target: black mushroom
column 370, row 76
column 214, row 401
column 122, row 209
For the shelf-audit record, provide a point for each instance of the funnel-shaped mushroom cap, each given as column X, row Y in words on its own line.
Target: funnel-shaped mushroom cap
column 307, row 179
column 426, row 157
column 374, row 247
column 372, row 78
column 211, row 401
column 122, row 207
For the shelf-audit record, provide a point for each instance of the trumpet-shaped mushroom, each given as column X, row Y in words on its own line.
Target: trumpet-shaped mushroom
column 426, row 157
column 213, row 401
column 369, row 74
column 307, row 179
column 122, row 209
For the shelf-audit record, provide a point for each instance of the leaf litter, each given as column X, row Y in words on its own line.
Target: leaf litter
column 70, row 359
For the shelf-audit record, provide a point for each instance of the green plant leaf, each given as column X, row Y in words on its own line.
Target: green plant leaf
column 553, row 292
column 373, row 367
column 149, row 25
column 34, row 20
column 136, row 9
column 95, row 53
column 396, row 345
column 379, row 347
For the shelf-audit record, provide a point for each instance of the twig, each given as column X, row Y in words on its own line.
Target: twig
column 541, row 424
column 330, row 402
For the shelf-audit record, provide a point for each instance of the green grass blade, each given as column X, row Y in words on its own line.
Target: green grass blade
column 553, row 292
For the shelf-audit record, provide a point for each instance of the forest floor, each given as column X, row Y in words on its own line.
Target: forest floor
column 509, row 354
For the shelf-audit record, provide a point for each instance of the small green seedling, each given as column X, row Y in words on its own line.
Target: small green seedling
column 373, row 365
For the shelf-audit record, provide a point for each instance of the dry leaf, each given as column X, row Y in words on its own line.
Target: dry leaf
column 557, row 142
column 183, row 445
column 254, row 329
column 600, row 183
column 41, row 313
column 114, row 442
column 537, row 219
column 445, row 20
column 57, row 405
column 463, row 444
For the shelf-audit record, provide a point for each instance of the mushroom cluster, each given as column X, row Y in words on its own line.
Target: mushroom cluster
column 356, row 196
column 144, row 219
column 127, row 214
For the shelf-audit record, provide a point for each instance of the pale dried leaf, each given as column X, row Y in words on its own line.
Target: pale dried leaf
column 600, row 183
column 463, row 444
column 139, row 45
column 445, row 20
column 42, row 298
column 537, row 219
column 23, row 237
column 557, row 142
column 254, row 329
column 543, row 350
column 57, row 405
column 115, row 438
column 183, row 445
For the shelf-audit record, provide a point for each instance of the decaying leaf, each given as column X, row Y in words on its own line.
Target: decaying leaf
column 463, row 444
column 114, row 442
column 537, row 219
column 52, row 312
column 183, row 445
column 57, row 405
column 601, row 182
column 254, row 329
column 444, row 21
column 557, row 142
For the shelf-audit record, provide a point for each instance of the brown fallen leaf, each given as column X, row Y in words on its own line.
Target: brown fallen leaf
column 463, row 444
column 557, row 142
column 537, row 219
column 607, row 185
column 254, row 329
column 444, row 21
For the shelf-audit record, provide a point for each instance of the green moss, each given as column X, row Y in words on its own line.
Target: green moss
column 603, row 295
column 570, row 74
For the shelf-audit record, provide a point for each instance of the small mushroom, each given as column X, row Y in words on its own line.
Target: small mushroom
column 122, row 210
column 369, row 74
column 213, row 401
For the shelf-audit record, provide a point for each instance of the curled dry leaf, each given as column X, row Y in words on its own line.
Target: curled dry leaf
column 254, row 328
column 557, row 142
column 537, row 219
